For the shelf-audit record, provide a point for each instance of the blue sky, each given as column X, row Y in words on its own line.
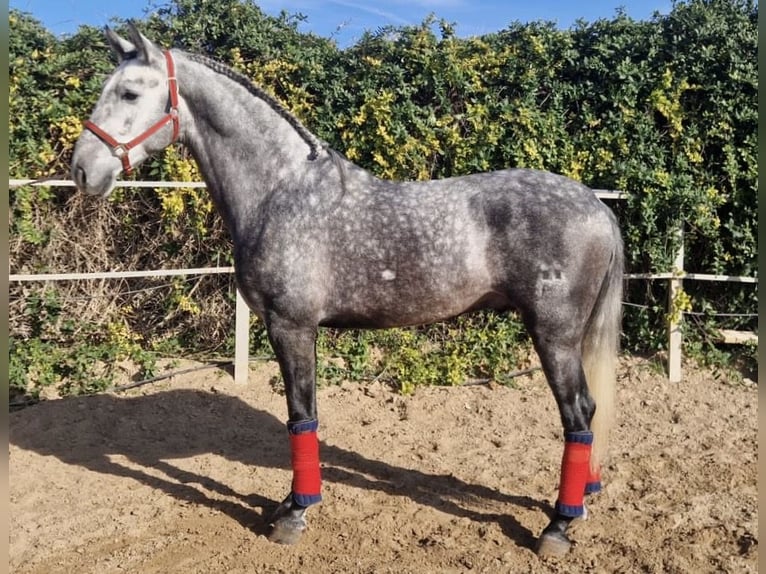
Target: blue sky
column 346, row 20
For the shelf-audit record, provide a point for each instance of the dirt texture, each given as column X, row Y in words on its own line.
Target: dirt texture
column 182, row 475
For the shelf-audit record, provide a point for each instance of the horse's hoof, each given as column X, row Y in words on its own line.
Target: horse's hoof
column 553, row 545
column 287, row 530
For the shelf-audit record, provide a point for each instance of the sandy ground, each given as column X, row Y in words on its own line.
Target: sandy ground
column 181, row 476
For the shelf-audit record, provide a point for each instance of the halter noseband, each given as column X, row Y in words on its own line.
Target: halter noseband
column 122, row 150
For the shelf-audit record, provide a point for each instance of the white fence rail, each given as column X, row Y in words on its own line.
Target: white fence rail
column 242, row 312
column 120, row 183
column 119, row 274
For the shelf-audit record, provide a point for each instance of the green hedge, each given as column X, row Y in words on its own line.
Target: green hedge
column 664, row 109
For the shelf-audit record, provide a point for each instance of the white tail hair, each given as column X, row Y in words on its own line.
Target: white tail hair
column 600, row 347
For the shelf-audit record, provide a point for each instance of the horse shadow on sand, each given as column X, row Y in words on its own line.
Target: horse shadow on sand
column 150, row 430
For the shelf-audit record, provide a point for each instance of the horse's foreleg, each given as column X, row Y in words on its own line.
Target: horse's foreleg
column 563, row 369
column 295, row 349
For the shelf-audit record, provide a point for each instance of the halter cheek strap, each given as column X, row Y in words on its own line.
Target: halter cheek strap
column 122, row 149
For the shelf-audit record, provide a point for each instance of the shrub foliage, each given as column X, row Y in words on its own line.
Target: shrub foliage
column 663, row 109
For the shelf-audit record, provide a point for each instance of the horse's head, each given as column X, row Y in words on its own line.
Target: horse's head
column 135, row 116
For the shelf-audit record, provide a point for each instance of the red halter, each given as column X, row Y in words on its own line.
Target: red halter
column 121, row 150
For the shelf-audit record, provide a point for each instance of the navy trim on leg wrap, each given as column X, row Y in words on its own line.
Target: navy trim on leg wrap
column 593, row 487
column 569, row 511
column 579, row 437
column 300, row 427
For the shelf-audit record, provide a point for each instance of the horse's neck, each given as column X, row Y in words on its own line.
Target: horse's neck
column 245, row 150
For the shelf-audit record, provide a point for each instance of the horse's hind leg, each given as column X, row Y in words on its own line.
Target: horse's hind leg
column 562, row 363
column 294, row 347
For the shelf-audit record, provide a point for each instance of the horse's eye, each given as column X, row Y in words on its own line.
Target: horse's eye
column 129, row 96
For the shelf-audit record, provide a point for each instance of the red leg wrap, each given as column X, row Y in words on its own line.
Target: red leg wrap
column 307, row 478
column 594, row 481
column 575, row 468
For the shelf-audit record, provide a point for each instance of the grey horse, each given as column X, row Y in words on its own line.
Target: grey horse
column 319, row 241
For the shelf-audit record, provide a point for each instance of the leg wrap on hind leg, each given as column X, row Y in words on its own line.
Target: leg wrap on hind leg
column 594, row 481
column 307, row 479
column 575, row 471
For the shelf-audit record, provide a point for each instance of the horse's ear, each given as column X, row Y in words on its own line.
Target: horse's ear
column 141, row 42
column 136, row 47
column 124, row 49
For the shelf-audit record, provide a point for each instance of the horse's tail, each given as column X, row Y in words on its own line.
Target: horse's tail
column 600, row 346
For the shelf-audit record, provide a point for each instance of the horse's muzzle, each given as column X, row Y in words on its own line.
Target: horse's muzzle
column 100, row 187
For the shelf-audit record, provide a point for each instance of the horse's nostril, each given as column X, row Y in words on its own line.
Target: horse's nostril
column 80, row 178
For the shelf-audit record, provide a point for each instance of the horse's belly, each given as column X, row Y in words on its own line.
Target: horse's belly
column 381, row 308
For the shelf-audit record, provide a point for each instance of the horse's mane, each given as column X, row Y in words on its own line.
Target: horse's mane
column 314, row 143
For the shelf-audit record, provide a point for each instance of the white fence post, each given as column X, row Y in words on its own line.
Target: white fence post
column 675, row 337
column 241, row 340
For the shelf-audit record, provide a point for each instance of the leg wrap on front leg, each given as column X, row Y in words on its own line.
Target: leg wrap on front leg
column 307, row 479
column 575, row 469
